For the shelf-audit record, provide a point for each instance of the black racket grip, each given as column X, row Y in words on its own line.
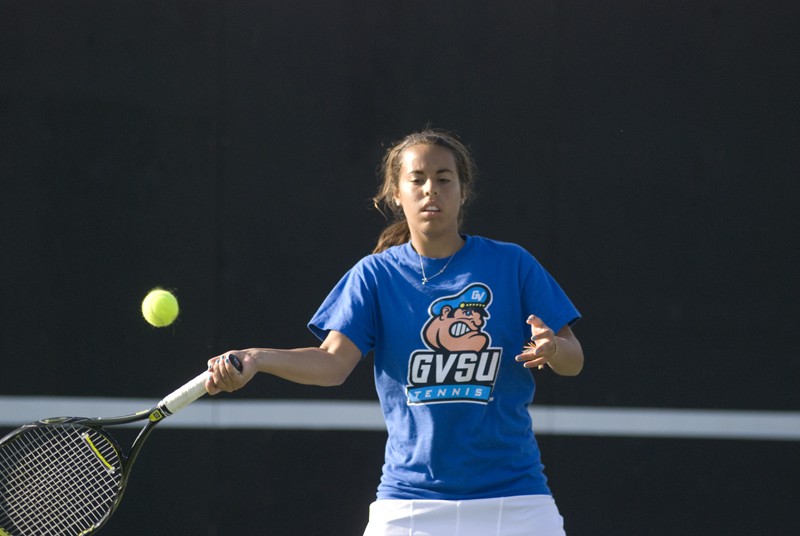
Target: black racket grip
column 235, row 362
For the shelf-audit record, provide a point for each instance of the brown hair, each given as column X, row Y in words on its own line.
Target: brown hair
column 397, row 232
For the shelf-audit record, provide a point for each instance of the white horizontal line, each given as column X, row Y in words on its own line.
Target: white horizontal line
column 366, row 416
column 657, row 422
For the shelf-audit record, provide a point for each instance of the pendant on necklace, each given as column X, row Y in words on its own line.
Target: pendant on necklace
column 425, row 279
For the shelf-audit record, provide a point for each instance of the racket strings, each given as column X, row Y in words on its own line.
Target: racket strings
column 57, row 480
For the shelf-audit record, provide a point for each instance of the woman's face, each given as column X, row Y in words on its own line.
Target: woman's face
column 429, row 190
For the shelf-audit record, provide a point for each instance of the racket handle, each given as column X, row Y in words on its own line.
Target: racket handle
column 192, row 390
column 186, row 394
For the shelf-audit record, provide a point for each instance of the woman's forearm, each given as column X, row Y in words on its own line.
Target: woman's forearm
column 309, row 366
column 568, row 360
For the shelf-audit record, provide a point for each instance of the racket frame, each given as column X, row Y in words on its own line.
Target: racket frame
column 170, row 404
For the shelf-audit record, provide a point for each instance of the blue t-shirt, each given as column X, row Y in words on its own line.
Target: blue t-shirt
column 454, row 399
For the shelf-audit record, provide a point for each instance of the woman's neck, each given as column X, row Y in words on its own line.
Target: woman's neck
column 437, row 248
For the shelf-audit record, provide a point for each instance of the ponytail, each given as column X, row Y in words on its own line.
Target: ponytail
column 395, row 234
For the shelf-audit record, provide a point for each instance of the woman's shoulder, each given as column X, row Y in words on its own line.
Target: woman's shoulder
column 389, row 256
column 484, row 245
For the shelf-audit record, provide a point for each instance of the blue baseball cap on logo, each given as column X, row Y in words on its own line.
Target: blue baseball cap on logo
column 475, row 296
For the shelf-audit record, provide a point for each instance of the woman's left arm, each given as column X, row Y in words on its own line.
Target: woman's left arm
column 561, row 351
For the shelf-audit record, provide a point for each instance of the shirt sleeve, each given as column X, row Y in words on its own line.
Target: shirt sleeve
column 348, row 309
column 544, row 297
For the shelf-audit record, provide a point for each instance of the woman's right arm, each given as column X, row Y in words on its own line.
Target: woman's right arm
column 328, row 365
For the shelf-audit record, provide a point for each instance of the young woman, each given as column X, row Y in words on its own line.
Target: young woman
column 445, row 315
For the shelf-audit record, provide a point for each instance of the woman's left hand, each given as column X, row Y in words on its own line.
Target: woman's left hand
column 543, row 346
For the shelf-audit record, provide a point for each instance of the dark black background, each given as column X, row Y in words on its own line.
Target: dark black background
column 646, row 153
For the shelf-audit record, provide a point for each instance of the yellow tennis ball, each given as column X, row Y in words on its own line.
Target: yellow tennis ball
column 160, row 307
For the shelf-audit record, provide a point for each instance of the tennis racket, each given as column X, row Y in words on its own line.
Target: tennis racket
column 65, row 476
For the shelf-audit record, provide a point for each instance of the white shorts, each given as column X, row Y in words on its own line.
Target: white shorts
column 525, row 515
